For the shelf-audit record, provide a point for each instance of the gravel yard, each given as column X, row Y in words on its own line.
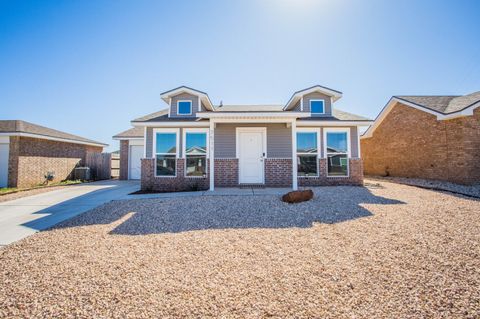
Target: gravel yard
column 384, row 250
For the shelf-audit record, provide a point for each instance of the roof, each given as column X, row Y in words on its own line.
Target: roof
column 445, row 104
column 181, row 89
column 135, row 132
column 151, row 116
column 250, row 108
column 18, row 127
column 316, row 88
column 337, row 115
column 444, row 107
column 165, row 118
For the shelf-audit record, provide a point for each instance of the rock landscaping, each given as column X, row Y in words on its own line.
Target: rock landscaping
column 382, row 251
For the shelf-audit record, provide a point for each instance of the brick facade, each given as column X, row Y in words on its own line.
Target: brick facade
column 150, row 182
column 355, row 176
column 124, row 144
column 413, row 143
column 226, row 172
column 31, row 158
column 278, row 172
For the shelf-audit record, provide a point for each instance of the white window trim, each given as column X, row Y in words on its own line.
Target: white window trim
column 154, row 148
column 349, row 147
column 317, row 100
column 184, row 149
column 310, row 130
column 191, row 106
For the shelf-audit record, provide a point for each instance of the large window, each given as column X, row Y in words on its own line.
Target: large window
column 337, row 148
column 166, row 148
column 184, row 107
column 307, row 153
column 195, row 142
column 317, row 106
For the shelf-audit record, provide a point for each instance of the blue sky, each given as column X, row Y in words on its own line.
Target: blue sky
column 89, row 67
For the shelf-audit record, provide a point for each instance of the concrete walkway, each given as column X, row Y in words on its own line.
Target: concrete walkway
column 22, row 217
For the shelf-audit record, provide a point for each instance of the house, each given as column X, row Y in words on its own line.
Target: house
column 194, row 144
column 28, row 152
column 431, row 137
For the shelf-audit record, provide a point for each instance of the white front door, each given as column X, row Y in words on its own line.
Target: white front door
column 136, row 153
column 251, row 151
column 4, row 165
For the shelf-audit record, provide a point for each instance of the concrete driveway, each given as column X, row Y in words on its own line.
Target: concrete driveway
column 22, row 217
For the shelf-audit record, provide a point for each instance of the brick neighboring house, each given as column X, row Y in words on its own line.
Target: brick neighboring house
column 431, row 137
column 28, row 151
column 193, row 144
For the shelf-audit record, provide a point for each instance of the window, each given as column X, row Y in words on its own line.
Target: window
column 184, row 107
column 307, row 153
column 317, row 106
column 166, row 149
column 195, row 142
column 337, row 147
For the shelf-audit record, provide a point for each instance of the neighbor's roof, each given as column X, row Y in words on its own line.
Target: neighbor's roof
column 444, row 104
column 18, row 127
column 135, row 132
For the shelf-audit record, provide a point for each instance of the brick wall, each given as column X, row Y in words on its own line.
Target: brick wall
column 412, row 143
column 226, row 172
column 124, row 159
column 355, row 176
column 31, row 158
column 149, row 182
column 278, row 172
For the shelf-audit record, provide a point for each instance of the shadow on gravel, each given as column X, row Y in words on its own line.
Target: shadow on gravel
column 155, row 216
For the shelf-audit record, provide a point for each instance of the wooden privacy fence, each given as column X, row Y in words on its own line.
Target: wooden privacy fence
column 115, row 165
column 100, row 165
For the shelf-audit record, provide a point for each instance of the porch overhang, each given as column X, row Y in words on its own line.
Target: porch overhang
column 252, row 117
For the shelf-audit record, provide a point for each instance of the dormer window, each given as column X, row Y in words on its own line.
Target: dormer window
column 184, row 107
column 317, row 106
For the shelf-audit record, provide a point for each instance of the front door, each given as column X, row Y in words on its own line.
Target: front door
column 251, row 153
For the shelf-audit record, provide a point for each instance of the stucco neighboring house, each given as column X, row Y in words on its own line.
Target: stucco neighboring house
column 431, row 137
column 193, row 144
column 29, row 151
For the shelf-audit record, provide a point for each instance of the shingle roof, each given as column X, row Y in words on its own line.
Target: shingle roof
column 250, row 108
column 165, row 118
column 131, row 133
column 444, row 104
column 337, row 115
column 18, row 126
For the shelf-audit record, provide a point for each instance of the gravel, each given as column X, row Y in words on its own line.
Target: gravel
column 384, row 250
column 469, row 190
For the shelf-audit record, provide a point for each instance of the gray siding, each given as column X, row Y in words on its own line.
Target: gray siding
column 184, row 96
column 315, row 96
column 279, row 140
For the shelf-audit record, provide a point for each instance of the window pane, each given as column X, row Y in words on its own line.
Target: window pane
column 166, row 165
column 307, row 165
column 185, row 107
column 337, row 165
column 317, row 107
column 307, row 142
column 196, row 143
column 196, row 165
column 166, row 143
column 337, row 142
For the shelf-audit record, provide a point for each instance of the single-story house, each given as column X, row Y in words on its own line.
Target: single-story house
column 431, row 137
column 194, row 144
column 28, row 152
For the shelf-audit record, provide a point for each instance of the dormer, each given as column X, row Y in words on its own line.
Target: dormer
column 317, row 100
column 186, row 102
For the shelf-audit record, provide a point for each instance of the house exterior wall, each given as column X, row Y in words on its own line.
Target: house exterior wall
column 413, row 143
column 31, row 158
column 315, row 96
column 124, row 147
column 184, row 96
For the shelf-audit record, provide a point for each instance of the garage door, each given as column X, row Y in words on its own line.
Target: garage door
column 3, row 165
column 136, row 153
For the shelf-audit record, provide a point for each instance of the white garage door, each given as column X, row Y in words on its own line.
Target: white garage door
column 3, row 165
column 136, row 153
